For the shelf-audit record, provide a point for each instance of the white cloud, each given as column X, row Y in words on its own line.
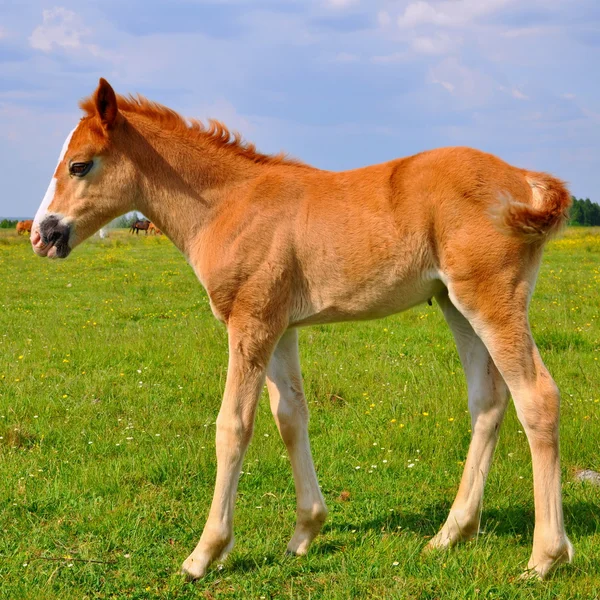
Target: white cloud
column 395, row 57
column 383, row 18
column 514, row 92
column 518, row 94
column 60, row 27
column 439, row 44
column 345, row 57
column 445, row 84
column 525, row 32
column 341, row 3
column 469, row 86
column 421, row 13
column 448, row 13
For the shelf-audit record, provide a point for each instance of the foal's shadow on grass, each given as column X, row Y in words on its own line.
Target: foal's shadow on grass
column 582, row 520
column 293, row 563
column 423, row 523
column 247, row 562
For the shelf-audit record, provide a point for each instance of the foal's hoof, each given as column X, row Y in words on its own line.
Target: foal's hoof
column 197, row 563
column 540, row 569
column 298, row 547
column 451, row 534
column 193, row 569
column 530, row 575
column 294, row 553
column 438, row 543
column 430, row 548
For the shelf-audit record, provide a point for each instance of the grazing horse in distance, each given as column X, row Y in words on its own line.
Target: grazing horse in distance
column 152, row 228
column 142, row 225
column 24, row 226
column 279, row 245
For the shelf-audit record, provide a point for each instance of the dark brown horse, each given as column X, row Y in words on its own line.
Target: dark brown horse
column 140, row 224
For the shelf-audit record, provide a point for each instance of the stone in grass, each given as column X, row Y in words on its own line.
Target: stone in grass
column 588, row 475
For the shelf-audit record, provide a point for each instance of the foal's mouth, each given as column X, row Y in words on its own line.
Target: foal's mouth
column 50, row 237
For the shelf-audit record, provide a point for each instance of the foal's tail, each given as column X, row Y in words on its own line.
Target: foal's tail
column 543, row 216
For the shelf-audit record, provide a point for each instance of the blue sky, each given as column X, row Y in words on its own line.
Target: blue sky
column 337, row 83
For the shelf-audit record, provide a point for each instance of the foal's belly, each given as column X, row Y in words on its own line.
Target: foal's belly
column 371, row 299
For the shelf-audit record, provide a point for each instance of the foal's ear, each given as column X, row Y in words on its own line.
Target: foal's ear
column 106, row 104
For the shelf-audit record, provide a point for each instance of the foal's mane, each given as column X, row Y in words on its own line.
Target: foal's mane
column 215, row 131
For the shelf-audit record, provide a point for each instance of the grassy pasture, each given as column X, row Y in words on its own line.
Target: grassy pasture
column 111, row 373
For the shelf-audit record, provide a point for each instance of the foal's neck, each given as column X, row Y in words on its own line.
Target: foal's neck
column 183, row 178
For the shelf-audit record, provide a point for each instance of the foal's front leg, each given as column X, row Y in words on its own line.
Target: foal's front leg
column 248, row 356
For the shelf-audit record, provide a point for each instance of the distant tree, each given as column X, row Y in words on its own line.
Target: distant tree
column 584, row 212
column 8, row 223
column 591, row 213
column 126, row 221
column 576, row 213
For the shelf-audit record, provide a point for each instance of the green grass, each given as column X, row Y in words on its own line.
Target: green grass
column 112, row 369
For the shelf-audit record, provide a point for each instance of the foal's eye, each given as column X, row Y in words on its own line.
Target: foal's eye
column 79, row 169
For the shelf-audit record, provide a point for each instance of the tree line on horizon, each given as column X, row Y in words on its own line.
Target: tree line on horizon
column 584, row 212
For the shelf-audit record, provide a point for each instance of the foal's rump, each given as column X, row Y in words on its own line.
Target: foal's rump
column 526, row 204
column 485, row 214
column 490, row 221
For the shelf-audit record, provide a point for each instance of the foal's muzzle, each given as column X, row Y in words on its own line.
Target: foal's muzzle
column 51, row 237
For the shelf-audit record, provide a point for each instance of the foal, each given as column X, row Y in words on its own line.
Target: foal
column 278, row 244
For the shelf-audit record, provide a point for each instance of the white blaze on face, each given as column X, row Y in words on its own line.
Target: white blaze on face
column 48, row 197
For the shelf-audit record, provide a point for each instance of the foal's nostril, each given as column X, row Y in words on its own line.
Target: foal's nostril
column 49, row 229
column 55, row 232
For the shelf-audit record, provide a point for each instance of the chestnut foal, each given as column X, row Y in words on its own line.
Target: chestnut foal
column 278, row 244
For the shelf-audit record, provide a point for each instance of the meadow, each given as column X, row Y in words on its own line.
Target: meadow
column 111, row 374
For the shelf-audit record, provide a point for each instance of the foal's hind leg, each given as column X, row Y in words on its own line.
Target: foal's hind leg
column 288, row 405
column 498, row 313
column 488, row 397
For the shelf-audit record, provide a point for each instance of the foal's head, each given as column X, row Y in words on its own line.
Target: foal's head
column 94, row 181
